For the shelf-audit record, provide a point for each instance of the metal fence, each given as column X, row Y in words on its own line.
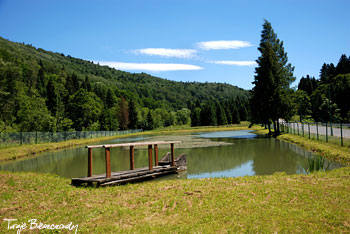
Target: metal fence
column 19, row 138
column 338, row 133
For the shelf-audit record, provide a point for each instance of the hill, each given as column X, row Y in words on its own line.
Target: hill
column 42, row 90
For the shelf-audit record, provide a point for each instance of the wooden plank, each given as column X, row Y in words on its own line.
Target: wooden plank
column 135, row 174
column 93, row 146
column 153, row 175
column 89, row 162
column 141, row 143
column 150, row 164
column 172, row 154
column 108, row 162
column 122, row 173
column 156, row 155
column 132, row 160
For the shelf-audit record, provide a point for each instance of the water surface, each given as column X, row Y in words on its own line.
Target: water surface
column 215, row 154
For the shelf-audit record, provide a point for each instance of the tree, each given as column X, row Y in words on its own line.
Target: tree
column 308, row 84
column 270, row 95
column 303, row 105
column 86, row 84
column 196, row 117
column 33, row 114
column 149, row 121
column 133, row 115
column 183, row 117
column 343, row 66
column 221, row 115
column 123, row 114
column 84, row 109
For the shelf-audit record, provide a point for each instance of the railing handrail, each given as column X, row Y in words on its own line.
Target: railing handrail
column 133, row 144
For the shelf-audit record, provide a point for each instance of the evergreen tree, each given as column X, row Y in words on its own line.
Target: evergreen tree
column 270, row 96
column 123, row 114
column 149, row 121
column 133, row 115
column 196, row 117
column 40, row 84
column 86, row 84
column 221, row 115
column 308, row 84
column 208, row 115
column 51, row 101
column 343, row 66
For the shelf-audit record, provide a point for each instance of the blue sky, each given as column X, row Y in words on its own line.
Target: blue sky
column 182, row 40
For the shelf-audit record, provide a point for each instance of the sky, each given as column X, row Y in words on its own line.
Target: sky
column 183, row 40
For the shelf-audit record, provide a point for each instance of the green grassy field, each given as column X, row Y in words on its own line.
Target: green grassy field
column 316, row 203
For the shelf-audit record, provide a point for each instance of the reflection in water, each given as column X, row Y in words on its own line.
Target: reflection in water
column 246, row 155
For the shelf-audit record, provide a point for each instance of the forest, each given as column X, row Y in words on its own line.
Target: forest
column 46, row 91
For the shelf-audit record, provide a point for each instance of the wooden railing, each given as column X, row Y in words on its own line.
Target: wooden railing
column 132, row 145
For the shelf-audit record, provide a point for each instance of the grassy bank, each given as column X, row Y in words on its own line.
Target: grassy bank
column 19, row 152
column 316, row 203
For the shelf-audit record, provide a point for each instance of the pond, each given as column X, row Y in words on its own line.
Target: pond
column 214, row 154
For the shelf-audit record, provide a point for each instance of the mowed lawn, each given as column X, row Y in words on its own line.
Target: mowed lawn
column 316, row 203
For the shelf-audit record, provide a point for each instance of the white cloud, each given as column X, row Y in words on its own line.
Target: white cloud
column 223, row 45
column 177, row 53
column 236, row 63
column 150, row 66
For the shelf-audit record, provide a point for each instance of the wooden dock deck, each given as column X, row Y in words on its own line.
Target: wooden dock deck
column 132, row 175
column 123, row 177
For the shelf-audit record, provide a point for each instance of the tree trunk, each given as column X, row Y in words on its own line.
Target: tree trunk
column 269, row 128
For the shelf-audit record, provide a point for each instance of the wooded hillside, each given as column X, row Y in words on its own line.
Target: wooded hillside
column 46, row 91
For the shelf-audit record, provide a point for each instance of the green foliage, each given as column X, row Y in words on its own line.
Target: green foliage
column 84, row 109
column 303, row 105
column 271, row 95
column 330, row 94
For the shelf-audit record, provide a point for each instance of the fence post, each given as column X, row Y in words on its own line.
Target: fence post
column 326, row 132
column 302, row 127
column 21, row 138
column 298, row 128
column 317, row 130
column 331, row 129
column 36, row 137
column 308, row 126
column 341, row 134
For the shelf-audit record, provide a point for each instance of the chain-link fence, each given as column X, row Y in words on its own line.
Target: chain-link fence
column 8, row 139
column 338, row 133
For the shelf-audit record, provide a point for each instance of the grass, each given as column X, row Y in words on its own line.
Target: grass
column 25, row 151
column 316, row 203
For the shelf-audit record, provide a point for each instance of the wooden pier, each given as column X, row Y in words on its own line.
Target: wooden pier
column 132, row 175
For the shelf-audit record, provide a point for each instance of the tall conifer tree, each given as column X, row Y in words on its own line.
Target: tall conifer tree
column 271, row 94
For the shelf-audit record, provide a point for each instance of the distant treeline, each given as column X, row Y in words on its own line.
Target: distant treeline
column 46, row 91
column 326, row 99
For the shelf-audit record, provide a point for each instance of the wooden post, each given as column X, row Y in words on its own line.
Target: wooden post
column 172, row 154
column 132, row 161
column 108, row 162
column 156, row 154
column 150, row 164
column 89, row 162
